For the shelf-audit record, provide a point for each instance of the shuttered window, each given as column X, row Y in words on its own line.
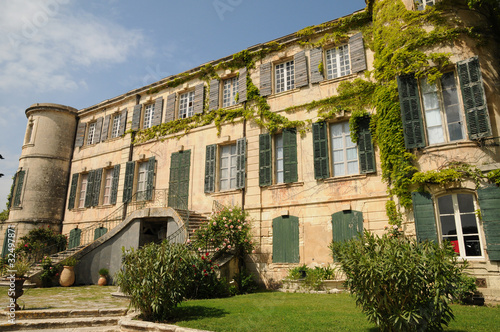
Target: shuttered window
column 80, row 134
column 346, row 225
column 320, row 150
column 74, row 238
column 285, row 158
column 148, row 116
column 210, row 164
column 96, row 190
column 230, row 166
column 108, row 183
column 83, row 190
column 338, row 62
column 489, row 203
column 19, row 188
column 129, row 181
column 366, row 152
column 186, row 105
column 284, row 76
column 115, row 128
column 424, row 216
column 100, row 231
column 265, row 160
column 72, row 191
column 241, row 157
column 227, row 167
column 286, row 239
column 178, row 193
column 344, row 150
column 230, row 90
column 114, row 185
column 91, row 133
column 409, row 101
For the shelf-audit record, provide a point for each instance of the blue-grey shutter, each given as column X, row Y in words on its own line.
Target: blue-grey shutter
column 158, row 112
column 489, row 202
column 300, row 62
column 136, row 117
column 12, row 190
column 199, row 98
column 210, row 162
column 72, row 191
column 265, row 154
column 129, row 181
column 74, row 238
column 170, row 108
column 97, row 186
column 98, row 129
column 474, row 99
column 150, row 179
column 214, row 95
column 105, row 128
column 242, row 85
column 286, row 239
column 114, row 184
column 346, row 225
column 240, row 162
column 19, row 188
column 366, row 152
column 425, row 218
column 316, row 57
column 290, row 155
column 80, row 134
column 90, row 189
column 357, row 53
column 265, row 79
column 320, row 151
column 409, row 101
column 123, row 122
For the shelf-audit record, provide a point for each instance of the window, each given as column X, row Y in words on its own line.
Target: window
column 143, row 184
column 148, row 116
column 284, row 76
column 286, row 239
column 230, row 164
column 337, row 62
column 108, row 183
column 230, row 90
column 115, row 127
column 422, row 4
column 278, row 161
column 29, row 132
column 142, row 181
column 186, row 105
column 17, row 189
column 344, row 151
column 91, row 133
column 458, row 224
column 83, row 191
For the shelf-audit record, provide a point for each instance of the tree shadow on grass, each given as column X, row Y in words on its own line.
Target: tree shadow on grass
column 196, row 312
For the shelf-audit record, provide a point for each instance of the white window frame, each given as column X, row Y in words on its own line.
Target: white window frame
column 279, row 160
column 227, row 167
column 346, row 150
column 142, row 181
column 284, row 76
column 91, row 133
column 186, row 105
column 115, row 127
column 457, row 218
column 82, row 193
column 229, row 91
column 108, row 183
column 442, row 134
column 422, row 4
column 338, row 61
column 149, row 112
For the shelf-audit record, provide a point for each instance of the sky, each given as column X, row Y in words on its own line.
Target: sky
column 81, row 52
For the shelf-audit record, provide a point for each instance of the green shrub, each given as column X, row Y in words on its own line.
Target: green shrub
column 103, row 271
column 312, row 277
column 204, row 281
column 466, row 287
column 400, row 284
column 49, row 271
column 157, row 277
column 244, row 283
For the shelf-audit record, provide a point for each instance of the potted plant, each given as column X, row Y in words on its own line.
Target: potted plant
column 103, row 277
column 67, row 277
column 19, row 270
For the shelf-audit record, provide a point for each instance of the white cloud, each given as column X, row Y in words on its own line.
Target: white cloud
column 43, row 42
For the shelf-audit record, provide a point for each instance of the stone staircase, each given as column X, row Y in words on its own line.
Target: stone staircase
column 195, row 221
column 56, row 259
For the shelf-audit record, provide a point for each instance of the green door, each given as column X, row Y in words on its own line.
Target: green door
column 178, row 191
column 286, row 239
column 346, row 225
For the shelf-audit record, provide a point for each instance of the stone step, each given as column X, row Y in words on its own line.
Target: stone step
column 58, row 323
column 66, row 313
column 83, row 329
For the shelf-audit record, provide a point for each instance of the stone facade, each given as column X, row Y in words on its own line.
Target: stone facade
column 104, row 152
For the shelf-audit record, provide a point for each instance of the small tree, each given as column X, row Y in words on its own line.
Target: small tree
column 401, row 284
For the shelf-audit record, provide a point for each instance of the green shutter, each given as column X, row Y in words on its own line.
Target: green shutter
column 129, row 181
column 425, row 219
column 286, row 239
column 19, row 188
column 150, row 179
column 346, row 225
column 489, row 202
column 90, row 189
column 114, row 184
column 474, row 100
column 97, row 187
column 240, row 162
column 12, row 190
column 290, row 155
column 72, row 192
column 100, row 231
column 136, row 117
column 5, row 247
column 178, row 192
column 409, row 101
column 366, row 152
column 74, row 238
column 210, row 157
column 213, row 103
column 265, row 169
column 320, row 151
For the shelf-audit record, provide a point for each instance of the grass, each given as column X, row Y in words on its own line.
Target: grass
column 265, row 311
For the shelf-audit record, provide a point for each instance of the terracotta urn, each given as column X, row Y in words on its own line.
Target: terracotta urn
column 67, row 277
column 103, row 281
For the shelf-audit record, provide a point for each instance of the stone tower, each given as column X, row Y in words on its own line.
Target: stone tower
column 40, row 185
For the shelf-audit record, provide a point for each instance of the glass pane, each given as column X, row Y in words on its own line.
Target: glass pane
column 279, row 153
column 431, row 101
column 279, row 177
column 352, row 154
column 233, row 172
column 348, row 142
column 338, row 156
column 352, row 167
column 433, row 118
column 455, row 131
column 450, row 96
column 448, row 225
column 232, row 184
column 336, row 129
column 445, row 205
column 448, row 80
column 472, row 245
column 279, row 165
column 435, row 135
column 233, row 161
column 453, row 241
column 224, row 184
column 465, row 203
column 469, row 224
column 426, row 87
column 224, row 173
column 338, row 169
column 337, row 143
column 223, row 162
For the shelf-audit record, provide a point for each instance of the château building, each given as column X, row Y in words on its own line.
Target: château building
column 388, row 116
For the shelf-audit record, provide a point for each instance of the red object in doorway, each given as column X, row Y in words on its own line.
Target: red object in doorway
column 455, row 246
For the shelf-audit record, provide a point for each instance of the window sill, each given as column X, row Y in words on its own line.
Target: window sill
column 447, row 146
column 345, row 178
column 284, row 185
column 28, row 145
column 107, row 206
column 283, row 93
column 225, row 192
column 338, row 79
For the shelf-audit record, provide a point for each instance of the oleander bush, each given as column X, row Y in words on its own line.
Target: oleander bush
column 399, row 283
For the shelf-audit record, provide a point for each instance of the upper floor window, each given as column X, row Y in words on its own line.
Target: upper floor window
column 148, row 116
column 83, row 191
column 230, row 90
column 108, row 181
column 284, row 76
column 91, row 133
column 28, row 138
column 115, row 127
column 422, row 4
column 337, row 62
column 186, row 105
